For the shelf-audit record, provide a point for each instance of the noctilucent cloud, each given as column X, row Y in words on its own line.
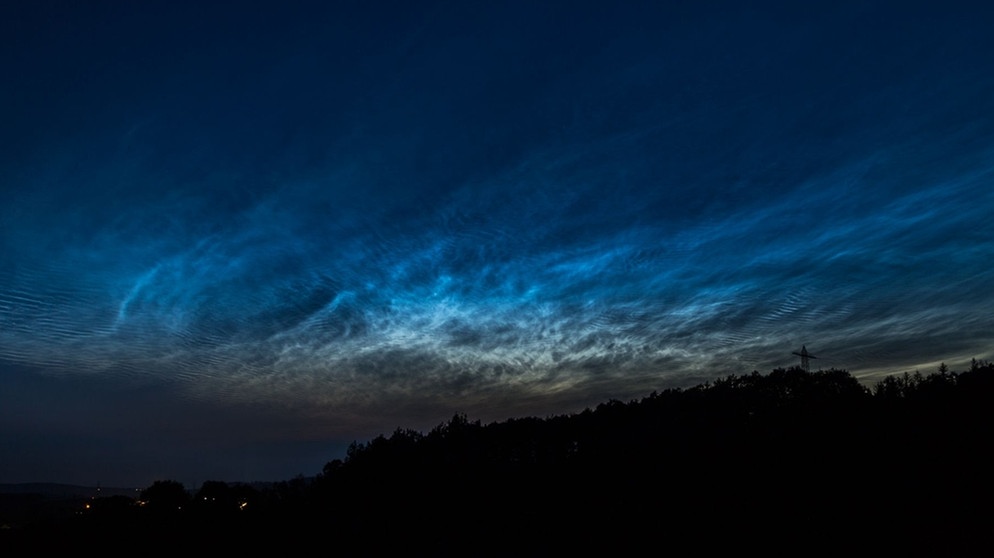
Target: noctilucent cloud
column 235, row 237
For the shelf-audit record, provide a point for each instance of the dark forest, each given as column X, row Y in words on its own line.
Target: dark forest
column 790, row 461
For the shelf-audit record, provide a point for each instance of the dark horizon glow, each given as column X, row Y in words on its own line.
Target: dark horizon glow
column 234, row 240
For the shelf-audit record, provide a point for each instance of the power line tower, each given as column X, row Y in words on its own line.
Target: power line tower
column 805, row 355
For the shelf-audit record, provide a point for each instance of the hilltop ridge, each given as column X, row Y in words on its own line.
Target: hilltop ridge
column 777, row 459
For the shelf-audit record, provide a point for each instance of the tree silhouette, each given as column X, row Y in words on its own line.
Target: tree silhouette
column 787, row 457
column 165, row 496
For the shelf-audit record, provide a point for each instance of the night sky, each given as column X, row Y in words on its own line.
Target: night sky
column 236, row 236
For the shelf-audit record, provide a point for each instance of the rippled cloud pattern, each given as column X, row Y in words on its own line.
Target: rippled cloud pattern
column 378, row 216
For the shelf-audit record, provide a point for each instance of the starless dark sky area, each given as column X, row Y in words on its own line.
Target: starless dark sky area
column 236, row 236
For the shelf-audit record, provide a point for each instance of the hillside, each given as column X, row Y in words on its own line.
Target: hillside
column 777, row 460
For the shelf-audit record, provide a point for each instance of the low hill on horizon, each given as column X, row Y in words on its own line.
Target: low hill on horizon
column 59, row 490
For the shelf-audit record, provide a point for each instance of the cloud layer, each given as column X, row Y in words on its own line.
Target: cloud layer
column 366, row 222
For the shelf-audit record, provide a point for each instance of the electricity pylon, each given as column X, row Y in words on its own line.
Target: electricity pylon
column 805, row 355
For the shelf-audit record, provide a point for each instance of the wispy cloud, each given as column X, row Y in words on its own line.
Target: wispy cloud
column 469, row 220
